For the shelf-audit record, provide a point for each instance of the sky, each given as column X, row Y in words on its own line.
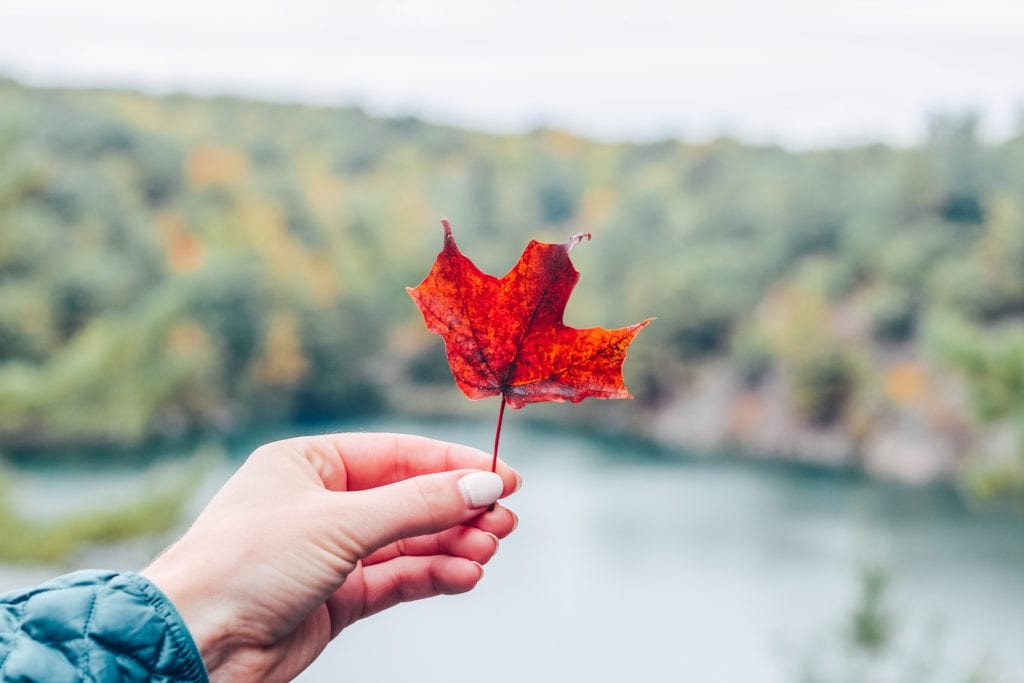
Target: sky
column 801, row 73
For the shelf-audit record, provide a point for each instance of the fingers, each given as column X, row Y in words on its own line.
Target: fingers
column 501, row 521
column 365, row 461
column 403, row 579
column 476, row 540
column 447, row 562
column 426, row 504
column 462, row 541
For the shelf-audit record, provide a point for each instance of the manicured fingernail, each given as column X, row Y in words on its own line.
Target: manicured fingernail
column 481, row 488
column 519, row 482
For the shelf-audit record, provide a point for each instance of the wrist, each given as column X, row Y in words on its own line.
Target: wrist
column 206, row 616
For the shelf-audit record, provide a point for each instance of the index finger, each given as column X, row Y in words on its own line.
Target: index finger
column 357, row 461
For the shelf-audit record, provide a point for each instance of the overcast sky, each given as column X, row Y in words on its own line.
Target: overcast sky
column 801, row 72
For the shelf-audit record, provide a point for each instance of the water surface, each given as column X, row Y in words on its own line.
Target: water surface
column 628, row 565
column 633, row 564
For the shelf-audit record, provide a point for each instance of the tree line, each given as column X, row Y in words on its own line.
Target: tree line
column 175, row 265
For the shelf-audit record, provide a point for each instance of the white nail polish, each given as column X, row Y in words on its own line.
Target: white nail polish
column 481, row 488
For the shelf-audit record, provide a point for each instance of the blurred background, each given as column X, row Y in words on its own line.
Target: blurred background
column 209, row 213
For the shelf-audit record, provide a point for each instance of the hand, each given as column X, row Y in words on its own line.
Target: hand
column 312, row 534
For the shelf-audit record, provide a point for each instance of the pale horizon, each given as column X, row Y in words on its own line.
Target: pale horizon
column 789, row 73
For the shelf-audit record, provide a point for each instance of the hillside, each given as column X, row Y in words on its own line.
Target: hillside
column 176, row 265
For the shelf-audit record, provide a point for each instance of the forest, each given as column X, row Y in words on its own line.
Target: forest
column 175, row 266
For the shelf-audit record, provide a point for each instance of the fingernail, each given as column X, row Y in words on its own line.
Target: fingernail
column 519, row 482
column 481, row 488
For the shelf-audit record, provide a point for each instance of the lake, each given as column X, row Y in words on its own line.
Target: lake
column 631, row 563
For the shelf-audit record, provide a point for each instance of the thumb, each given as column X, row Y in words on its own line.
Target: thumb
column 420, row 505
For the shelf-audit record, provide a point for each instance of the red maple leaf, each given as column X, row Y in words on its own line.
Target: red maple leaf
column 506, row 336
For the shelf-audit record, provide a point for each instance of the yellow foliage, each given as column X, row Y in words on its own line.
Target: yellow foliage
column 906, row 383
column 321, row 280
column 563, row 143
column 1003, row 245
column 324, row 191
column 597, row 206
column 188, row 340
column 287, row 261
column 282, row 361
column 145, row 112
column 185, row 251
column 214, row 165
column 794, row 322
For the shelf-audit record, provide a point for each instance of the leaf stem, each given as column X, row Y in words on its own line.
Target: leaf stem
column 497, row 437
column 497, row 434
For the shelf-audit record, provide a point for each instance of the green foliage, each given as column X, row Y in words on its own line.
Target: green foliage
column 331, row 342
column 992, row 359
column 893, row 314
column 229, row 299
column 752, row 356
column 557, row 201
column 1002, row 481
column 871, row 623
column 176, row 264
column 875, row 645
column 824, row 384
column 27, row 540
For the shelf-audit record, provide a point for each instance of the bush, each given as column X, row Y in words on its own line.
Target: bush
column 824, row 384
column 752, row 356
column 892, row 313
column 24, row 540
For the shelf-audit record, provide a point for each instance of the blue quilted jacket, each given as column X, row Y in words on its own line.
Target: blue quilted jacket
column 96, row 627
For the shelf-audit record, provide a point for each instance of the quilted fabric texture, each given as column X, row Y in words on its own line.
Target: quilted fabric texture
column 95, row 626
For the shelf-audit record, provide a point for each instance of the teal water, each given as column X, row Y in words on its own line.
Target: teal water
column 631, row 565
column 635, row 564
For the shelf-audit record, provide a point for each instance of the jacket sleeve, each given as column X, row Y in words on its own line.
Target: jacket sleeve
column 100, row 626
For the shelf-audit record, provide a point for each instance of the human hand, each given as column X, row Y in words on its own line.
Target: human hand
column 314, row 533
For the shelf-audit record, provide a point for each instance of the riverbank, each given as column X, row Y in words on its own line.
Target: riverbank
column 913, row 430
column 719, row 409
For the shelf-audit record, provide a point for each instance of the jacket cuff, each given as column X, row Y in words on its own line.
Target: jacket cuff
column 96, row 626
column 182, row 647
